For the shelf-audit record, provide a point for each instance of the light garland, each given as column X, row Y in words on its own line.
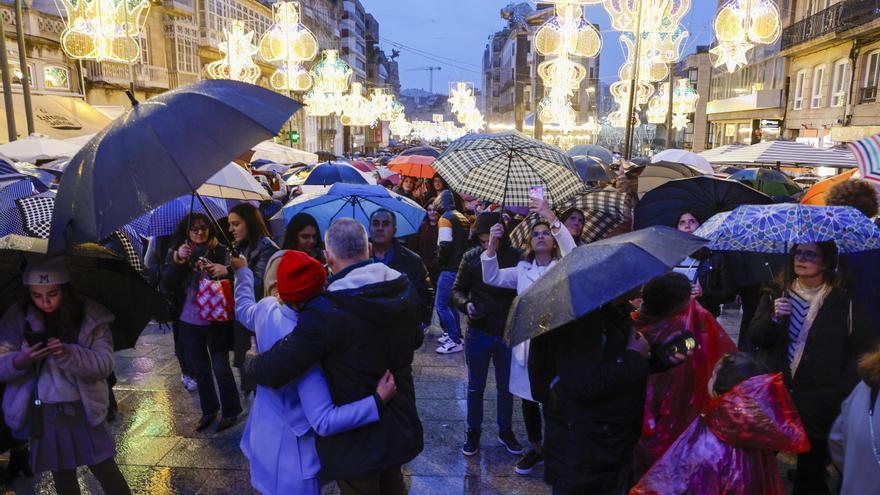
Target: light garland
column 103, row 30
column 331, row 76
column 463, row 104
column 289, row 42
column 238, row 51
column 740, row 26
column 356, row 109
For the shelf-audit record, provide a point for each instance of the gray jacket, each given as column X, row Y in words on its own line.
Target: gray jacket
column 850, row 443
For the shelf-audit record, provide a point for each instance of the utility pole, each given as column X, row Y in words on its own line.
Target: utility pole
column 669, row 131
column 7, row 86
column 633, row 85
column 22, row 57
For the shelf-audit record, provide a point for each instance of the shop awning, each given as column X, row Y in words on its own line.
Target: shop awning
column 787, row 153
column 56, row 116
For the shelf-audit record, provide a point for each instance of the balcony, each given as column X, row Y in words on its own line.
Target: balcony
column 151, row 76
column 146, row 76
column 837, row 18
column 185, row 7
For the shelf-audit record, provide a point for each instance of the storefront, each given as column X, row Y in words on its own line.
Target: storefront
column 751, row 131
column 56, row 116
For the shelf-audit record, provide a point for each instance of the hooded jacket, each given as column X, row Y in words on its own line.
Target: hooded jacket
column 732, row 448
column 452, row 232
column 367, row 322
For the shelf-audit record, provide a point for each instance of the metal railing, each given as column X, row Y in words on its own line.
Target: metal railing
column 838, row 17
column 149, row 76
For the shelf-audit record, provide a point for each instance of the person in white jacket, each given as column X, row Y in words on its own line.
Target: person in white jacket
column 550, row 241
column 279, row 438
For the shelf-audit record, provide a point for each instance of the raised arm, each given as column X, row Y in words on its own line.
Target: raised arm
column 245, row 304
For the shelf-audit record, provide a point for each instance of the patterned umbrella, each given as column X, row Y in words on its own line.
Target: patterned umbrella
column 867, row 154
column 775, row 228
column 164, row 219
column 603, row 211
column 502, row 167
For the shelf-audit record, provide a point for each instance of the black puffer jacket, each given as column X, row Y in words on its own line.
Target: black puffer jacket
column 367, row 322
column 450, row 250
column 492, row 303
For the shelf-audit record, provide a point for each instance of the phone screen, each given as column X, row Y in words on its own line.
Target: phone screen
column 536, row 192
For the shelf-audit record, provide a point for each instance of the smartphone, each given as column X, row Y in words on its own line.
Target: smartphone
column 681, row 345
column 536, row 192
column 33, row 338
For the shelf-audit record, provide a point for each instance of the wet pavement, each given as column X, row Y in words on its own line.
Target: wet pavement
column 160, row 453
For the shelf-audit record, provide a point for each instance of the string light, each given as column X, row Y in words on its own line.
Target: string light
column 741, row 25
column 103, row 30
column 289, row 42
column 238, row 51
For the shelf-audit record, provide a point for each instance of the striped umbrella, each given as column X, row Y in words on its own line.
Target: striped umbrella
column 867, row 154
column 788, row 153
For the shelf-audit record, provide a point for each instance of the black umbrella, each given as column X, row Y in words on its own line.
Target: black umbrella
column 96, row 273
column 593, row 275
column 162, row 148
column 422, row 151
column 591, row 169
column 704, row 196
column 656, row 174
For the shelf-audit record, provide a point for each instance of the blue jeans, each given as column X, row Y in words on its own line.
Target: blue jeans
column 449, row 316
column 479, row 348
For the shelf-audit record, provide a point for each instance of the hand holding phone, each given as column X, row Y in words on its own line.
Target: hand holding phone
column 536, row 192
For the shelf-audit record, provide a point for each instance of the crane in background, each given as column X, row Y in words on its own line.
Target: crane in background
column 430, row 71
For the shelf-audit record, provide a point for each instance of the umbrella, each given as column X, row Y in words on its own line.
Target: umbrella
column 38, row 147
column 422, row 151
column 704, row 196
column 775, row 228
column 591, row 169
column 503, row 167
column 686, row 157
column 273, row 167
column 594, row 275
column 163, row 220
column 603, row 211
column 413, row 166
column 329, row 173
column 867, row 155
column 363, row 166
column 714, row 153
column 786, row 152
column 815, row 195
column 17, row 186
column 162, row 148
column 356, row 201
column 657, row 174
column 96, row 273
column 233, row 182
column 770, row 182
column 386, row 173
column 599, row 152
column 279, row 153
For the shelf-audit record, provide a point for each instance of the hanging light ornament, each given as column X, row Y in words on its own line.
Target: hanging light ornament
column 684, row 97
column 658, row 105
column 400, row 127
column 680, row 121
column 331, row 76
column 238, row 51
column 103, row 30
column 461, row 98
column 289, row 42
column 739, row 26
column 357, row 110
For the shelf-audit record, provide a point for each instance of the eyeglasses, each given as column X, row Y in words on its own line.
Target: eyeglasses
column 541, row 233
column 808, row 256
column 196, row 230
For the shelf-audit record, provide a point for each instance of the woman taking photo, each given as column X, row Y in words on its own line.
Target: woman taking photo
column 814, row 335
column 303, row 234
column 206, row 344
column 56, row 347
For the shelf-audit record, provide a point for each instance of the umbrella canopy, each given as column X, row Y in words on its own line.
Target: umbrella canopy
column 274, row 167
column 715, row 153
column 233, row 182
column 422, row 151
column 38, row 147
column 413, row 166
column 503, row 167
column 775, row 228
column 704, row 196
column 595, row 150
column 686, row 157
column 788, row 153
column 591, row 169
column 867, row 154
column 356, row 201
column 770, row 182
column 96, row 273
column 603, row 211
column 17, row 186
column 363, row 166
column 329, row 173
column 594, row 275
column 657, row 174
column 815, row 195
column 279, row 153
column 164, row 219
column 162, row 148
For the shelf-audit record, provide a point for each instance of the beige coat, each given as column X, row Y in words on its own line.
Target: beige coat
column 89, row 362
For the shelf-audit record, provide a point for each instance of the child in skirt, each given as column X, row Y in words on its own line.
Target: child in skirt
column 66, row 369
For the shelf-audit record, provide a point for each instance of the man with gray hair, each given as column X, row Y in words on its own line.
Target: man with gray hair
column 366, row 322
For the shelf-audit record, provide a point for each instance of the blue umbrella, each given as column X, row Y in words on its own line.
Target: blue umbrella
column 164, row 219
column 776, row 228
column 162, row 148
column 591, row 169
column 593, row 275
column 592, row 150
column 356, row 201
column 333, row 173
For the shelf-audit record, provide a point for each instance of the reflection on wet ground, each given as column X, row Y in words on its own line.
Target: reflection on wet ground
column 160, row 453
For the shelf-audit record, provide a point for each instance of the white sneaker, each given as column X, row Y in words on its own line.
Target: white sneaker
column 188, row 383
column 443, row 338
column 450, row 347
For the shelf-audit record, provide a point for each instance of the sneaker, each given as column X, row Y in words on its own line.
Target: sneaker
column 189, row 383
column 443, row 338
column 529, row 462
column 450, row 347
column 472, row 444
column 507, row 439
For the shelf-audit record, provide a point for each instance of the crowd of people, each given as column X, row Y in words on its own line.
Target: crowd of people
column 325, row 328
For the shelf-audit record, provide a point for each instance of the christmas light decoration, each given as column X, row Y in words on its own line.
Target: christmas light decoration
column 331, row 74
column 289, row 42
column 356, row 109
column 400, row 127
column 238, row 51
column 461, row 98
column 658, row 16
column 568, row 33
column 680, row 121
column 684, row 97
column 658, row 105
column 103, row 30
column 741, row 25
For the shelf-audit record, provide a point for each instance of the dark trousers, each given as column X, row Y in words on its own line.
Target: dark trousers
column 387, row 482
column 206, row 349
column 479, row 349
column 811, row 469
column 107, row 473
column 179, row 353
column 532, row 417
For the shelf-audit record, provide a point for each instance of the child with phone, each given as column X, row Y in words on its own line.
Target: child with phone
column 56, row 352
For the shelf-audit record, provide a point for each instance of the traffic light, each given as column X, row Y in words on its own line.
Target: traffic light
column 293, row 136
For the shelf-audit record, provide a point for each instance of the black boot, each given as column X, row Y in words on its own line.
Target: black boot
column 19, row 464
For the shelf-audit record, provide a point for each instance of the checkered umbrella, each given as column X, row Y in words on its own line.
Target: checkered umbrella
column 603, row 211
column 164, row 219
column 502, row 167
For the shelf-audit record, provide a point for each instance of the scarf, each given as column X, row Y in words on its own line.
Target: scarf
column 815, row 297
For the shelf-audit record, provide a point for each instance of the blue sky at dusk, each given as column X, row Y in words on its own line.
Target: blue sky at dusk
column 453, row 33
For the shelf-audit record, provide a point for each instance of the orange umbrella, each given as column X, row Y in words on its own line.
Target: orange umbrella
column 816, row 194
column 413, row 166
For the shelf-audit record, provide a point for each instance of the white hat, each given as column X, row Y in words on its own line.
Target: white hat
column 47, row 272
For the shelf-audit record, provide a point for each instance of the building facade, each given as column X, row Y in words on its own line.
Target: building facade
column 697, row 69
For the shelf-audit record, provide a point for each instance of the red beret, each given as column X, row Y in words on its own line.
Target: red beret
column 300, row 277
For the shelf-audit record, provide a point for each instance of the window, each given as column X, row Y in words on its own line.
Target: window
column 818, row 82
column 729, row 134
column 17, row 75
column 144, row 41
column 838, row 84
column 56, row 77
column 872, row 71
column 799, row 89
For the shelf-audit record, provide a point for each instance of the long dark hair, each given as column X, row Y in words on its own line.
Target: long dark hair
column 297, row 223
column 253, row 219
column 181, row 233
column 70, row 314
column 830, row 275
